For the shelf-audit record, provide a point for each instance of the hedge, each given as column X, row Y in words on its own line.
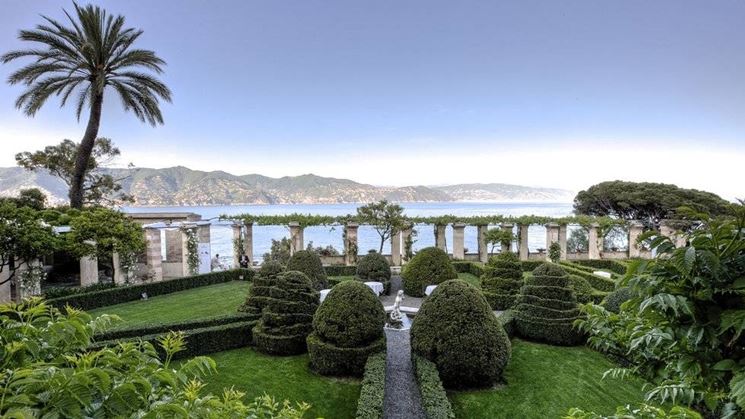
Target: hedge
column 473, row 268
column 529, row 265
column 374, row 267
column 614, row 299
column 507, row 319
column 434, row 398
column 502, row 280
column 340, row 270
column 372, row 393
column 599, row 283
column 614, row 266
column 59, row 292
column 261, row 290
column 179, row 326
column 430, row 266
column 309, row 263
column 118, row 295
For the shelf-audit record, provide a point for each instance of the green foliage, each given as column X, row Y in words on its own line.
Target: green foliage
column 279, row 251
column 495, row 236
column 374, row 267
column 347, row 328
column 340, row 270
column 33, row 198
column 23, row 237
column 554, row 252
column 456, row 329
column 329, row 250
column 578, row 241
column 434, row 398
column 473, row 268
column 286, row 320
column 429, row 266
column 597, row 282
column 614, row 300
column 611, row 265
column 643, row 411
column 507, row 320
column 59, row 292
column 161, row 328
column 387, row 219
column 192, row 249
column 547, row 307
column 501, row 281
column 260, row 291
column 582, row 289
column 370, row 404
column 682, row 327
column 529, row 265
column 310, row 264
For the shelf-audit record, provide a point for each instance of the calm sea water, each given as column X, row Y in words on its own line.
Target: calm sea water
column 222, row 237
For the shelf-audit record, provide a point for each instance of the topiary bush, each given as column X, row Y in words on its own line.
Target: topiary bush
column 501, row 281
column 347, row 328
column 430, row 266
column 582, row 289
column 287, row 318
column 547, row 307
column 374, row 267
column 310, row 264
column 614, row 300
column 456, row 329
column 258, row 294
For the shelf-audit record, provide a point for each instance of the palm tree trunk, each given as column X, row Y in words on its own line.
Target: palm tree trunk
column 84, row 152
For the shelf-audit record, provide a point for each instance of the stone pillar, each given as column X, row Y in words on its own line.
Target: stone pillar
column 524, row 242
column 563, row 241
column 185, row 230
column 30, row 289
column 248, row 242
column 440, row 237
column 237, row 250
column 552, row 236
column 89, row 267
column 481, row 237
column 667, row 230
column 173, row 245
column 459, row 241
column 120, row 277
column 203, row 233
column 396, row 249
column 351, row 248
column 506, row 246
column 296, row 237
column 204, row 237
column 153, row 253
column 405, row 236
column 5, row 287
column 593, row 250
column 635, row 230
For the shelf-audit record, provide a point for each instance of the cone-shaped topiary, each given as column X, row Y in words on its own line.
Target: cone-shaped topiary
column 547, row 307
column 287, row 317
column 374, row 267
column 430, row 266
column 619, row 296
column 501, row 281
column 582, row 288
column 456, row 329
column 347, row 328
column 259, row 292
column 310, row 264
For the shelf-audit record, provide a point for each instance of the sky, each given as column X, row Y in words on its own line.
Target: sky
column 549, row 93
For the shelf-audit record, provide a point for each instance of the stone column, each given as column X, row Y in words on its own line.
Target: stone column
column 204, row 237
column 30, row 289
column 667, row 230
column 481, row 237
column 173, row 245
column 405, row 236
column 248, row 242
column 185, row 229
column 120, row 277
column 5, row 288
column 459, row 241
column 635, row 230
column 153, row 253
column 237, row 251
column 440, row 238
column 552, row 236
column 396, row 249
column 563, row 241
column 89, row 267
column 593, row 250
column 506, row 246
column 524, row 242
column 351, row 248
column 296, row 237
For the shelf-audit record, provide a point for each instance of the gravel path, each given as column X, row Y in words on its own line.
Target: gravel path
column 402, row 398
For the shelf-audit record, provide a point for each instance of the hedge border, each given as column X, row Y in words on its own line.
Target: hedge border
column 155, row 329
column 507, row 319
column 340, row 270
column 612, row 265
column 372, row 393
column 600, row 284
column 434, row 398
column 473, row 268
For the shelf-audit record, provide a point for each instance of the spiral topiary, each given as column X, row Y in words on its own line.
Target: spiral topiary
column 582, row 288
column 347, row 328
column 619, row 296
column 374, row 267
column 430, row 266
column 258, row 294
column 501, row 281
column 310, row 264
column 287, row 317
column 456, row 329
column 547, row 307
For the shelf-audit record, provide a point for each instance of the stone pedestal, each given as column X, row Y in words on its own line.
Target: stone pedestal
column 563, row 241
column 173, row 245
column 440, row 238
column 635, row 230
column 89, row 268
column 552, row 236
column 459, row 241
column 593, row 239
column 405, row 236
column 296, row 237
column 524, row 252
column 351, row 248
column 154, row 257
column 396, row 249
column 506, row 246
column 481, row 238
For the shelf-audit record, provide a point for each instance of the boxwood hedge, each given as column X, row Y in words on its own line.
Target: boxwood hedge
column 502, row 280
column 309, row 263
column 372, row 393
column 155, row 329
column 434, row 398
column 261, row 290
column 374, row 267
column 430, row 266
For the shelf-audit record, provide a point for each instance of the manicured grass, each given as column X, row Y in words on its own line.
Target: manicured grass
column 545, row 382
column 470, row 278
column 285, row 378
column 197, row 303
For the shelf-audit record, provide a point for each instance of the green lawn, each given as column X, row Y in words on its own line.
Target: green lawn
column 285, row 378
column 471, row 279
column 545, row 381
column 197, row 303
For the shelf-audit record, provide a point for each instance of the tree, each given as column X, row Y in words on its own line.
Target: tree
column 387, row 219
column 495, row 236
column 33, row 198
column 59, row 160
column 647, row 202
column 93, row 53
column 23, row 237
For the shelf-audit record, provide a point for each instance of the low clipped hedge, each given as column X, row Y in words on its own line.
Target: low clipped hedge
column 502, row 280
column 374, row 267
column 372, row 393
column 261, row 290
column 430, row 266
column 599, row 283
column 582, row 289
column 530, row 265
column 123, row 294
column 155, row 329
column 507, row 320
column 340, row 270
column 434, row 398
column 473, row 268
column 59, row 292
column 614, row 266
column 309, row 263
column 614, row 300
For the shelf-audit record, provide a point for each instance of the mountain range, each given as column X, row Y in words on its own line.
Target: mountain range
column 182, row 186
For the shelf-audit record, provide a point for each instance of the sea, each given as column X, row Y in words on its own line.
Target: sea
column 222, row 236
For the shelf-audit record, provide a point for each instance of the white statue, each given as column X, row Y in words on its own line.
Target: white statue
column 396, row 317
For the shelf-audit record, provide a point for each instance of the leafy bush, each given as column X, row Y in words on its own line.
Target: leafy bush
column 554, row 252
column 434, row 398
column 287, row 317
column 430, row 266
column 473, row 268
column 258, row 295
column 582, row 289
column 547, row 307
column 340, row 270
column 310, row 264
column 456, row 329
column 372, row 393
column 279, row 251
column 59, row 292
column 507, row 320
column 180, row 326
column 502, row 280
column 374, row 267
column 614, row 300
column 529, row 265
column 347, row 328
column 599, row 283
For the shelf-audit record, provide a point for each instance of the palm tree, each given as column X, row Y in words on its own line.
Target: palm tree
column 95, row 53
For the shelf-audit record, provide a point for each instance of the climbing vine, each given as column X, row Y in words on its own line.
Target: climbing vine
column 30, row 279
column 192, row 249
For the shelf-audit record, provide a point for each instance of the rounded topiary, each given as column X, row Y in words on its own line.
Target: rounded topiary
column 430, row 266
column 456, row 329
column 547, row 307
column 582, row 288
column 501, row 281
column 287, row 318
column 347, row 328
column 374, row 267
column 310, row 264
column 258, row 294
column 617, row 297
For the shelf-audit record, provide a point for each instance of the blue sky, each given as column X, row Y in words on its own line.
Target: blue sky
column 550, row 93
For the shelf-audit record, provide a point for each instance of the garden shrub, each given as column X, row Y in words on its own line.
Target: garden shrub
column 507, row 320
column 529, row 265
column 502, row 280
column 310, row 264
column 372, row 393
column 547, row 307
column 155, row 329
column 287, row 317
column 340, row 270
column 347, row 328
column 614, row 266
column 599, row 283
column 473, row 268
column 614, row 300
column 258, row 295
column 374, row 267
column 430, row 266
column 582, row 289
column 434, row 398
column 456, row 329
